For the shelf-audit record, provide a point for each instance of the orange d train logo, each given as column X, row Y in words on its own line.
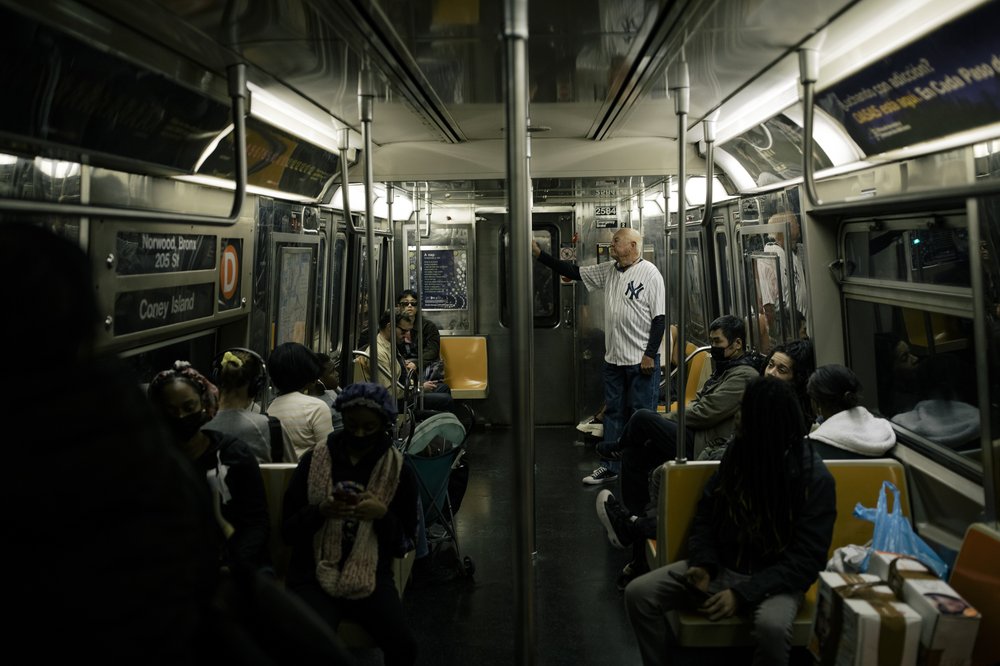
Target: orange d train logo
column 229, row 271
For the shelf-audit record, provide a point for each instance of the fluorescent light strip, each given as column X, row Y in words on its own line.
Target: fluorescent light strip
column 224, row 184
column 322, row 132
column 402, row 206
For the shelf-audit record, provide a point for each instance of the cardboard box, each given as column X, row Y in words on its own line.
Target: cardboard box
column 860, row 622
column 949, row 624
column 881, row 561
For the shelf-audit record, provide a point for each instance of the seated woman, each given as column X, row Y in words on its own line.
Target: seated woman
column 846, row 429
column 760, row 535
column 408, row 304
column 240, row 377
column 305, row 420
column 350, row 508
column 187, row 401
column 794, row 362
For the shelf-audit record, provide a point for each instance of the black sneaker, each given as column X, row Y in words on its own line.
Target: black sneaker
column 616, row 520
column 629, row 572
column 600, row 475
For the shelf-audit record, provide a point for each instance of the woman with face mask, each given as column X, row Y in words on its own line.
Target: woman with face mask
column 186, row 401
column 350, row 509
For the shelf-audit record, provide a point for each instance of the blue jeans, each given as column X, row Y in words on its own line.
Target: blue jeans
column 647, row 441
column 626, row 390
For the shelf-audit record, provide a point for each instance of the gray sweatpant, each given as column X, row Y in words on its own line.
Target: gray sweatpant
column 650, row 596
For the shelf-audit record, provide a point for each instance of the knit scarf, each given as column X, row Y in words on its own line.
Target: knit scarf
column 356, row 580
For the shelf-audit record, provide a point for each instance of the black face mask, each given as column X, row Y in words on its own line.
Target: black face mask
column 718, row 354
column 362, row 443
column 184, row 428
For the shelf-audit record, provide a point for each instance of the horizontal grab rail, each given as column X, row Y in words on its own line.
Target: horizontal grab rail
column 238, row 93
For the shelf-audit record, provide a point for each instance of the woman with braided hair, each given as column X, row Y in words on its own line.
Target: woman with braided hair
column 350, row 508
column 186, row 401
column 760, row 535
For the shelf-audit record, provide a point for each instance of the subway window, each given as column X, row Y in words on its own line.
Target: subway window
column 726, row 302
column 337, row 290
column 545, row 296
column 918, row 370
column 697, row 323
column 932, row 250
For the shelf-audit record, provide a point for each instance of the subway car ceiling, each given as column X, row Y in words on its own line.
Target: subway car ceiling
column 141, row 87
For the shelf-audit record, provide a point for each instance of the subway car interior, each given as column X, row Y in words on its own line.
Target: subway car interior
column 248, row 174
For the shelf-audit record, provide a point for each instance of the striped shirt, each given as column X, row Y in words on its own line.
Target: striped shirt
column 632, row 299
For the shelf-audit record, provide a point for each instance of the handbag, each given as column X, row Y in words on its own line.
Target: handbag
column 893, row 533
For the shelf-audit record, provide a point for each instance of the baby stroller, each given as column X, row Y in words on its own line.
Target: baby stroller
column 434, row 451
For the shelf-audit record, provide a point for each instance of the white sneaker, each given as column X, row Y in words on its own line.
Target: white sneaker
column 591, row 427
column 600, row 475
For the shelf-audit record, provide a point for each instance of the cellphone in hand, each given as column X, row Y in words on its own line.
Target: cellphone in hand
column 348, row 491
column 695, row 592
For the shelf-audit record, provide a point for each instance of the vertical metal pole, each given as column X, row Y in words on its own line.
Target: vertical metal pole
column 793, row 315
column 639, row 202
column 390, row 192
column 991, row 472
column 419, row 323
column 808, row 75
column 680, row 89
column 343, row 145
column 666, row 292
column 324, row 324
column 415, row 198
column 522, row 361
column 708, row 132
column 366, row 102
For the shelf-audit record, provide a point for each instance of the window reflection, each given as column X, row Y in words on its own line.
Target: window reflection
column 918, row 370
column 545, row 297
column 697, row 326
column 726, row 303
column 928, row 256
column 544, row 278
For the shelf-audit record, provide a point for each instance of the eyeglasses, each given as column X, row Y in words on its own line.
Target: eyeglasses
column 405, row 303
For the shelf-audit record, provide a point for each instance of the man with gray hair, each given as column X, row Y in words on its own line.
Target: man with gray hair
column 633, row 328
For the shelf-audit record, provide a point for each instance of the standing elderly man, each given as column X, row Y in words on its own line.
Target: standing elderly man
column 633, row 328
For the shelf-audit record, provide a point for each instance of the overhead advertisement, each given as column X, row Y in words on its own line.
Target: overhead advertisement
column 946, row 82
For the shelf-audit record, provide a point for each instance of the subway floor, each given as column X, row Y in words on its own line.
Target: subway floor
column 579, row 615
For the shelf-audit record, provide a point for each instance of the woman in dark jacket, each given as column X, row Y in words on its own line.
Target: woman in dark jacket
column 350, row 508
column 760, row 535
column 187, row 401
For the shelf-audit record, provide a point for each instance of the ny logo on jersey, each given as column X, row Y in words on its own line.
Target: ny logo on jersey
column 633, row 291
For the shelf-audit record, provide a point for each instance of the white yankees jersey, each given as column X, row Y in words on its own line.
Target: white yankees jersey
column 632, row 298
